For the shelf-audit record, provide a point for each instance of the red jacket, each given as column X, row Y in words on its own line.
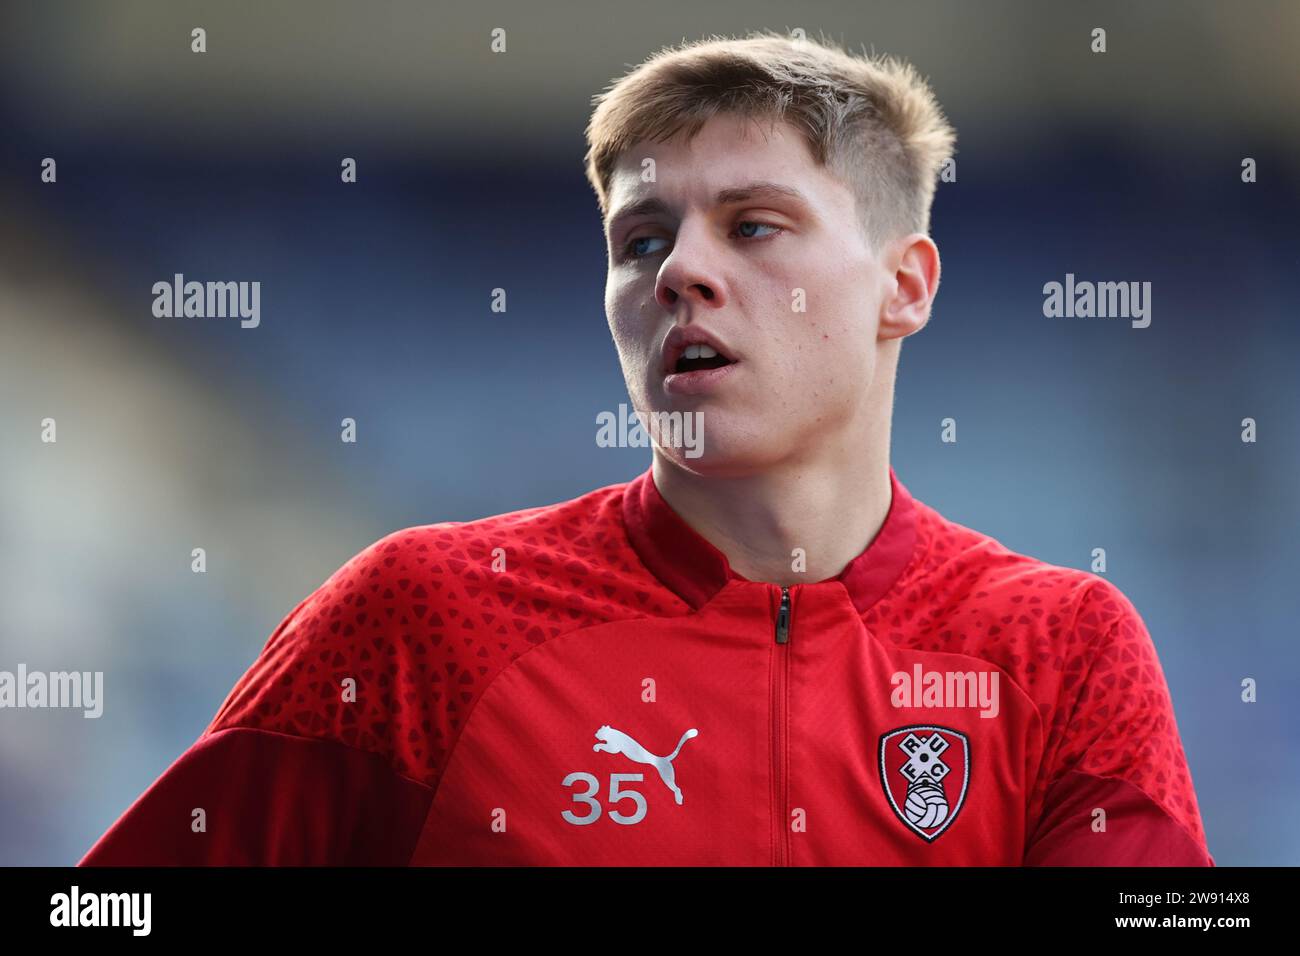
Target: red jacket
column 589, row 683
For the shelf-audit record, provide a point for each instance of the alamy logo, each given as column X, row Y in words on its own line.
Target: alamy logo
column 643, row 429
column 77, row 690
column 208, row 300
column 925, row 772
column 1102, row 300
column 616, row 742
column 75, row 908
column 922, row 688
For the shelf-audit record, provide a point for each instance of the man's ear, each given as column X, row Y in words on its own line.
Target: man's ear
column 914, row 262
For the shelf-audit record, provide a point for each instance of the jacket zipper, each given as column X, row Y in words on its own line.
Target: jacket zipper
column 780, row 731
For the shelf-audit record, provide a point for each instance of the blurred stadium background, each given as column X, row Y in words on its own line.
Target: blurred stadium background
column 175, row 433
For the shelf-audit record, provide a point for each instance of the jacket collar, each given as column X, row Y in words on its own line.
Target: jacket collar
column 695, row 570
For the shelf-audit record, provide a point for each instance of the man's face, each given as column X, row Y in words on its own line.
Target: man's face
column 786, row 288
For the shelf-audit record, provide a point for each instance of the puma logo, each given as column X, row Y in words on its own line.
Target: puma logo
column 616, row 742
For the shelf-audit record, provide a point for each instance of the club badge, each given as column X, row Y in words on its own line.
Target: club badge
column 925, row 771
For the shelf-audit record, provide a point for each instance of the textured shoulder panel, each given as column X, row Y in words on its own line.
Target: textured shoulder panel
column 391, row 652
column 966, row 593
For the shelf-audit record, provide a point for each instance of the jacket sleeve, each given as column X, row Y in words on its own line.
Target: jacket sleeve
column 249, row 797
column 1115, row 788
column 313, row 759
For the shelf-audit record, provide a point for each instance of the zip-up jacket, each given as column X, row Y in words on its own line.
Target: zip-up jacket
column 590, row 683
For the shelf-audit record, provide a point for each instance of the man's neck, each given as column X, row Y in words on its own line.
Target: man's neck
column 829, row 511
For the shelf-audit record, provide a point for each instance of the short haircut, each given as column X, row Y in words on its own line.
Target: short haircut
column 872, row 121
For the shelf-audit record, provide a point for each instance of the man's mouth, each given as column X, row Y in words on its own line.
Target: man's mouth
column 694, row 362
column 696, row 358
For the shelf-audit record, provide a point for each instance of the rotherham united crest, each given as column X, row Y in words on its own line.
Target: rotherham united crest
column 924, row 771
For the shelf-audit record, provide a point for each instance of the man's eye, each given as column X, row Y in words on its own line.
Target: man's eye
column 740, row 228
column 636, row 250
column 745, row 229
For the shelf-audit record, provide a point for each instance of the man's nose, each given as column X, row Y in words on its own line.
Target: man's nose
column 690, row 272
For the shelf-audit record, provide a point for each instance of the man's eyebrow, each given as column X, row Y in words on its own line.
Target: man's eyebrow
column 758, row 190
column 642, row 207
column 724, row 197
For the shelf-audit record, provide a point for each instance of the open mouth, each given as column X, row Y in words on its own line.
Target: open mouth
column 697, row 358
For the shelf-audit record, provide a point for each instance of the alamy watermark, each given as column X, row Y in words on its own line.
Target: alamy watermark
column 76, row 690
column 922, row 688
column 75, row 908
column 1101, row 300
column 637, row 430
column 208, row 300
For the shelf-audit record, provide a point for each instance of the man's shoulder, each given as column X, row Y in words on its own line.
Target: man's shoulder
column 574, row 525
column 392, row 650
column 511, row 571
column 974, row 595
column 1003, row 579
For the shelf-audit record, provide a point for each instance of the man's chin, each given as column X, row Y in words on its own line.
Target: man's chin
column 718, row 457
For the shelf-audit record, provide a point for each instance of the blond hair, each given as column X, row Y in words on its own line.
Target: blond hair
column 872, row 121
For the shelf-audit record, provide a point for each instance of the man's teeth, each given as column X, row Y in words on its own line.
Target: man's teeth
column 699, row 351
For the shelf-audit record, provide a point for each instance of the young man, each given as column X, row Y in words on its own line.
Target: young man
column 768, row 653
